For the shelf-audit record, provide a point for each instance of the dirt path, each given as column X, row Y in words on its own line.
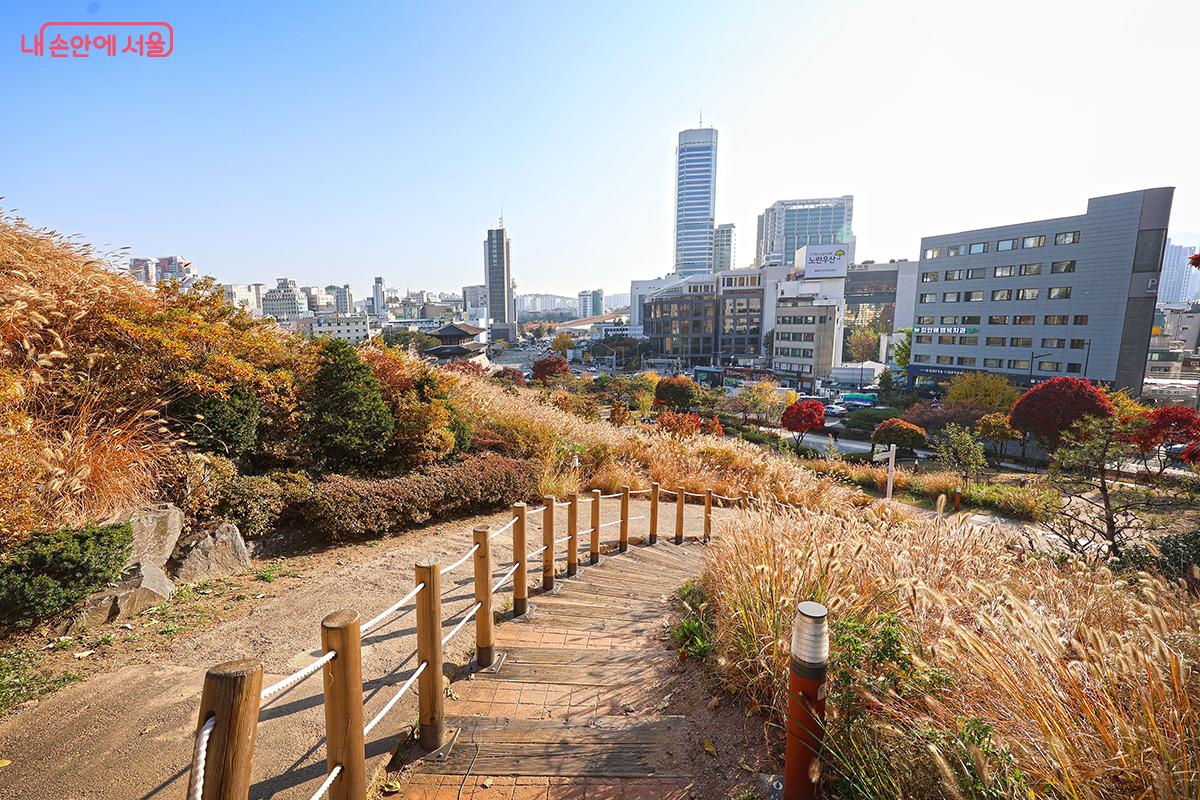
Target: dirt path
column 127, row 733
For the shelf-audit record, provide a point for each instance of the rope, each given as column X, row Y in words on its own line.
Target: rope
column 563, row 539
column 581, row 533
column 296, row 677
column 502, row 528
column 635, row 519
column 610, row 496
column 329, row 779
column 562, row 505
column 610, row 524
column 460, row 562
column 666, row 492
column 199, row 755
column 461, row 623
column 539, row 551
column 693, row 494
column 387, row 612
column 639, row 491
column 395, row 698
column 505, row 577
column 727, row 499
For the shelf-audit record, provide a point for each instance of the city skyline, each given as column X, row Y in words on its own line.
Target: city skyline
column 322, row 202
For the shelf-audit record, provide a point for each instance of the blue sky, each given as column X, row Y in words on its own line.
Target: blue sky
column 331, row 142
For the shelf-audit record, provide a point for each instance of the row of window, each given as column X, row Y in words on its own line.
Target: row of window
column 1032, row 293
column 998, row 363
column 801, row 320
column 978, row 248
column 1003, row 319
column 795, row 336
column 1007, row 271
column 999, row 341
column 795, row 352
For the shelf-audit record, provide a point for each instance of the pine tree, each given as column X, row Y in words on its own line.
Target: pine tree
column 349, row 424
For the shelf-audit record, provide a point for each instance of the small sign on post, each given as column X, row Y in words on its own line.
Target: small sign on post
column 891, row 458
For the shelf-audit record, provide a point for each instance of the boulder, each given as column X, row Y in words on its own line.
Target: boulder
column 212, row 553
column 155, row 533
column 145, row 588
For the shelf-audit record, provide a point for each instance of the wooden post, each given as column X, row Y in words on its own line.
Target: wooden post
column 573, row 535
column 654, row 513
column 230, row 694
column 341, row 631
column 485, row 635
column 430, row 699
column 594, row 557
column 707, row 514
column 548, row 542
column 680, row 497
column 624, row 541
column 521, row 576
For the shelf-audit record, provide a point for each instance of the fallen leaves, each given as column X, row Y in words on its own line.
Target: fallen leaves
column 710, row 748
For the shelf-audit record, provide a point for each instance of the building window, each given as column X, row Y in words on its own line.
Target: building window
column 1024, row 319
column 1081, row 319
column 972, row 297
column 977, row 272
column 929, row 277
column 920, row 358
column 1018, row 363
column 1049, row 366
column 1072, row 367
column 954, row 274
column 979, row 247
column 945, row 359
column 1028, row 294
column 945, row 340
column 1055, row 319
column 994, row 341
column 995, row 363
column 1020, row 341
column 1078, row 344
column 932, row 252
column 954, row 250
column 923, row 339
column 928, row 298
column 970, row 320
column 1003, row 272
column 966, row 361
column 1059, row 267
column 1060, row 293
column 949, row 320
column 1071, row 237
column 1033, row 241
column 924, row 320
column 950, row 297
column 1002, row 294
column 997, row 320
column 1056, row 344
column 969, row 341
column 1031, row 269
column 1006, row 244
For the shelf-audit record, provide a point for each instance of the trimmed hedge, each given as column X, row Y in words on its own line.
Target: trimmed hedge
column 345, row 508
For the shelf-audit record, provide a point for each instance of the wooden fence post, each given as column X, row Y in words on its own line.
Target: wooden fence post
column 594, row 558
column 573, row 535
column 624, row 541
column 680, row 497
column 548, row 542
column 341, row 631
column 521, row 576
column 485, row 635
column 430, row 699
column 231, row 695
column 707, row 514
column 654, row 513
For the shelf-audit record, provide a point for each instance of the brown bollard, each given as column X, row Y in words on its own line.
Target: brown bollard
column 430, row 698
column 548, row 542
column 957, row 498
column 594, row 557
column 680, row 499
column 654, row 513
column 231, row 695
column 806, row 700
column 573, row 535
column 707, row 514
column 485, row 634
column 341, row 631
column 623, row 542
column 521, row 576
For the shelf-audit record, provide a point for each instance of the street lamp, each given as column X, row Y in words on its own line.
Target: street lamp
column 1087, row 356
column 1033, row 358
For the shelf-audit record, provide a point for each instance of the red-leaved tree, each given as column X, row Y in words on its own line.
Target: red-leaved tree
column 803, row 416
column 904, row 435
column 510, row 376
column 1048, row 410
column 549, row 366
column 1165, row 427
column 679, row 424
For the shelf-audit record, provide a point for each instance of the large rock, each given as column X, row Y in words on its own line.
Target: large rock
column 212, row 554
column 146, row 588
column 155, row 533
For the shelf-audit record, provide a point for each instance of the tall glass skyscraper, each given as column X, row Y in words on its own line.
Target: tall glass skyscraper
column 695, row 200
column 502, row 307
column 788, row 225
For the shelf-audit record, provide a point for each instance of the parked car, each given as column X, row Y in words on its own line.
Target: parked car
column 836, row 411
column 856, row 405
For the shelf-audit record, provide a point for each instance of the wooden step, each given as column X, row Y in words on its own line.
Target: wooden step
column 570, row 667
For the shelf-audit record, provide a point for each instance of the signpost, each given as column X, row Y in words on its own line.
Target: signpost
column 891, row 469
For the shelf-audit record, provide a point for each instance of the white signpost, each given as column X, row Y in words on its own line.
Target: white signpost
column 891, row 469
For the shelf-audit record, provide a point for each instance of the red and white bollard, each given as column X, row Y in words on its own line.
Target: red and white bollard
column 806, row 700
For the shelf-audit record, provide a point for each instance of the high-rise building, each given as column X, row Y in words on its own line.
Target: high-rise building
column 1180, row 280
column 475, row 296
column 502, row 307
column 695, row 200
column 343, row 298
column 285, row 302
column 723, row 247
column 1068, row 296
column 788, row 225
column 246, row 296
column 591, row 303
column 319, row 300
column 378, row 298
column 153, row 271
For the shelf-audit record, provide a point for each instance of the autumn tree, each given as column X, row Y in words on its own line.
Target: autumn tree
column 1165, row 427
column 509, row 376
column 996, row 429
column 562, row 342
column 618, row 414
column 863, row 345
column 904, row 435
column 681, row 425
column 678, row 392
column 902, row 350
column 550, row 366
column 804, row 416
column 990, row 391
column 960, row 452
column 1048, row 410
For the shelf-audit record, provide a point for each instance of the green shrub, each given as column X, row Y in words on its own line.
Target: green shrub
column 227, row 426
column 349, row 424
column 253, row 503
column 48, row 573
column 865, row 420
column 343, row 507
column 1175, row 556
column 1019, row 502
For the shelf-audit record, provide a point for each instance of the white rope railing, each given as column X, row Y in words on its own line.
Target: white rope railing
column 635, row 519
column 610, row 524
column 502, row 528
column 694, row 494
column 582, row 533
column 395, row 698
column 387, row 612
column 667, row 493
column 537, row 552
column 461, row 561
column 563, row 505
column 728, row 499
column 296, row 677
column 199, row 755
column 506, row 577
column 563, row 539
column 329, row 779
column 639, row 491
column 610, row 496
column 454, row 631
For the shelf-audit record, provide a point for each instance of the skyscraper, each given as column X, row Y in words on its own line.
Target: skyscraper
column 378, row 300
column 502, row 307
column 723, row 247
column 1180, row 280
column 788, row 225
column 591, row 303
column 695, row 200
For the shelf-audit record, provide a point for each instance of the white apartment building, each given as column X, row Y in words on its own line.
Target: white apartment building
column 352, row 328
column 285, row 302
column 246, row 296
